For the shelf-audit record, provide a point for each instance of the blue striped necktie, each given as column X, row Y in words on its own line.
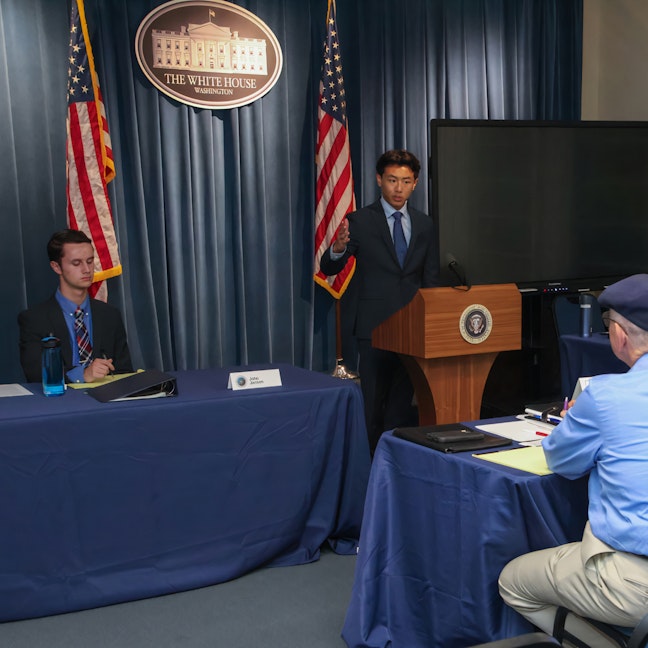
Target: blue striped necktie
column 399, row 238
column 82, row 337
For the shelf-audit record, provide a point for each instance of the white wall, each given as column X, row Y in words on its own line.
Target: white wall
column 615, row 60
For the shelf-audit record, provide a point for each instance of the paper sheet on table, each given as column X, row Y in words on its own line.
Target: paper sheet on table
column 103, row 381
column 581, row 384
column 530, row 459
column 14, row 389
column 519, row 430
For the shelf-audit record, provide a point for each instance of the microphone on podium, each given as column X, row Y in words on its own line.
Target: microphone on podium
column 457, row 270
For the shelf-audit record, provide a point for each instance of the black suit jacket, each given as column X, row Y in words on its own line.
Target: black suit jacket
column 108, row 336
column 384, row 287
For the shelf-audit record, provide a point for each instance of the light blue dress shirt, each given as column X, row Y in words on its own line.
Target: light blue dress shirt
column 76, row 373
column 406, row 221
column 605, row 434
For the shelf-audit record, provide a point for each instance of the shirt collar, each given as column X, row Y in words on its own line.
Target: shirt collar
column 389, row 210
column 641, row 362
column 69, row 306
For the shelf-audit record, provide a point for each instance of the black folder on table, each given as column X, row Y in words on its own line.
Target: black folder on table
column 451, row 437
column 144, row 384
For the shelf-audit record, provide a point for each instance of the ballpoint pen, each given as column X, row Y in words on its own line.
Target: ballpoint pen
column 105, row 357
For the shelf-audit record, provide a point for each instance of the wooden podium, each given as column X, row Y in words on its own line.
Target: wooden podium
column 449, row 369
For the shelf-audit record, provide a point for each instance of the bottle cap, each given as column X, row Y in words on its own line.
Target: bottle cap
column 50, row 342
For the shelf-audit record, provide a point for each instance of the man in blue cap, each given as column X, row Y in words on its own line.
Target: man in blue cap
column 605, row 434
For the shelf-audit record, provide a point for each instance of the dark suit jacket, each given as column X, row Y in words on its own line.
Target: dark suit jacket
column 384, row 287
column 108, row 336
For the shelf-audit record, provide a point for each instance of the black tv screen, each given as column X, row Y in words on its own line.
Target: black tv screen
column 540, row 202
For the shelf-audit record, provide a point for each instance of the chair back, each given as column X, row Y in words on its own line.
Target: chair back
column 636, row 637
column 639, row 637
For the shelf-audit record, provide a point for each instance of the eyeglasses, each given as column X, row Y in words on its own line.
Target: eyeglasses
column 607, row 319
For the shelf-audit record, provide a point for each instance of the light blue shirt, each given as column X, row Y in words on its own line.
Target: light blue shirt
column 406, row 222
column 68, row 307
column 605, row 434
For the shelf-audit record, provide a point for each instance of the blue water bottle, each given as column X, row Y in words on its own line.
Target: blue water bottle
column 53, row 379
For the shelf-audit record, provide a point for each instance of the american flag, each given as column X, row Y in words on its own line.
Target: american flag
column 90, row 164
column 334, row 190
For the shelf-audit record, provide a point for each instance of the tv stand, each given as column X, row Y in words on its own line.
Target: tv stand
column 533, row 373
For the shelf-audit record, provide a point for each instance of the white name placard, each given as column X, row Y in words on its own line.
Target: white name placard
column 254, row 379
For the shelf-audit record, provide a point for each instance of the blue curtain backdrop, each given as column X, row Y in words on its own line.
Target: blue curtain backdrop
column 214, row 209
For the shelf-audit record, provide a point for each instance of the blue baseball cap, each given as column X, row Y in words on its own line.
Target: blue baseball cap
column 628, row 297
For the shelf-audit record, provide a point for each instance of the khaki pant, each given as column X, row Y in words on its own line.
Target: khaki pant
column 589, row 578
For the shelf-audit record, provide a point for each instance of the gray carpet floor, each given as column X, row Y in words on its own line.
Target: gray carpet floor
column 284, row 607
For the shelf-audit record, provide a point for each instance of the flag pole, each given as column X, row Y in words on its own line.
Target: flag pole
column 334, row 187
column 340, row 370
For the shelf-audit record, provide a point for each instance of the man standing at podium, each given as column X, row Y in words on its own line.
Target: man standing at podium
column 396, row 251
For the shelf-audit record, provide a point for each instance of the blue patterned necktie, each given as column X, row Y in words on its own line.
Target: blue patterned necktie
column 82, row 337
column 399, row 238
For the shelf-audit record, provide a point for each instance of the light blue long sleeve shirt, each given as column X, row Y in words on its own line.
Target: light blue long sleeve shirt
column 406, row 221
column 75, row 374
column 605, row 434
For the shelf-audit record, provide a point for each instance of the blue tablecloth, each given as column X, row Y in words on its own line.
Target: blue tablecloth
column 586, row 356
column 103, row 503
column 437, row 530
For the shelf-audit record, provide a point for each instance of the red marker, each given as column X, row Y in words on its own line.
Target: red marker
column 542, row 433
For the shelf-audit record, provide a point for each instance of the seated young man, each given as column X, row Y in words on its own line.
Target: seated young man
column 92, row 334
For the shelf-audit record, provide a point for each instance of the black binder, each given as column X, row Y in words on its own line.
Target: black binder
column 450, row 437
column 149, row 383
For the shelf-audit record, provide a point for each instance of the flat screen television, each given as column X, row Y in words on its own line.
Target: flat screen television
column 540, row 203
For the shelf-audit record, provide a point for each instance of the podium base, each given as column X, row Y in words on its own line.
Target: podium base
column 342, row 372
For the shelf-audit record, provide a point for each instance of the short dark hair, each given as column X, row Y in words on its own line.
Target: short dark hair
column 59, row 239
column 399, row 157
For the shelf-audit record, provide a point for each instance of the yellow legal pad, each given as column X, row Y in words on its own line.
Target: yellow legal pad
column 103, row 381
column 529, row 459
